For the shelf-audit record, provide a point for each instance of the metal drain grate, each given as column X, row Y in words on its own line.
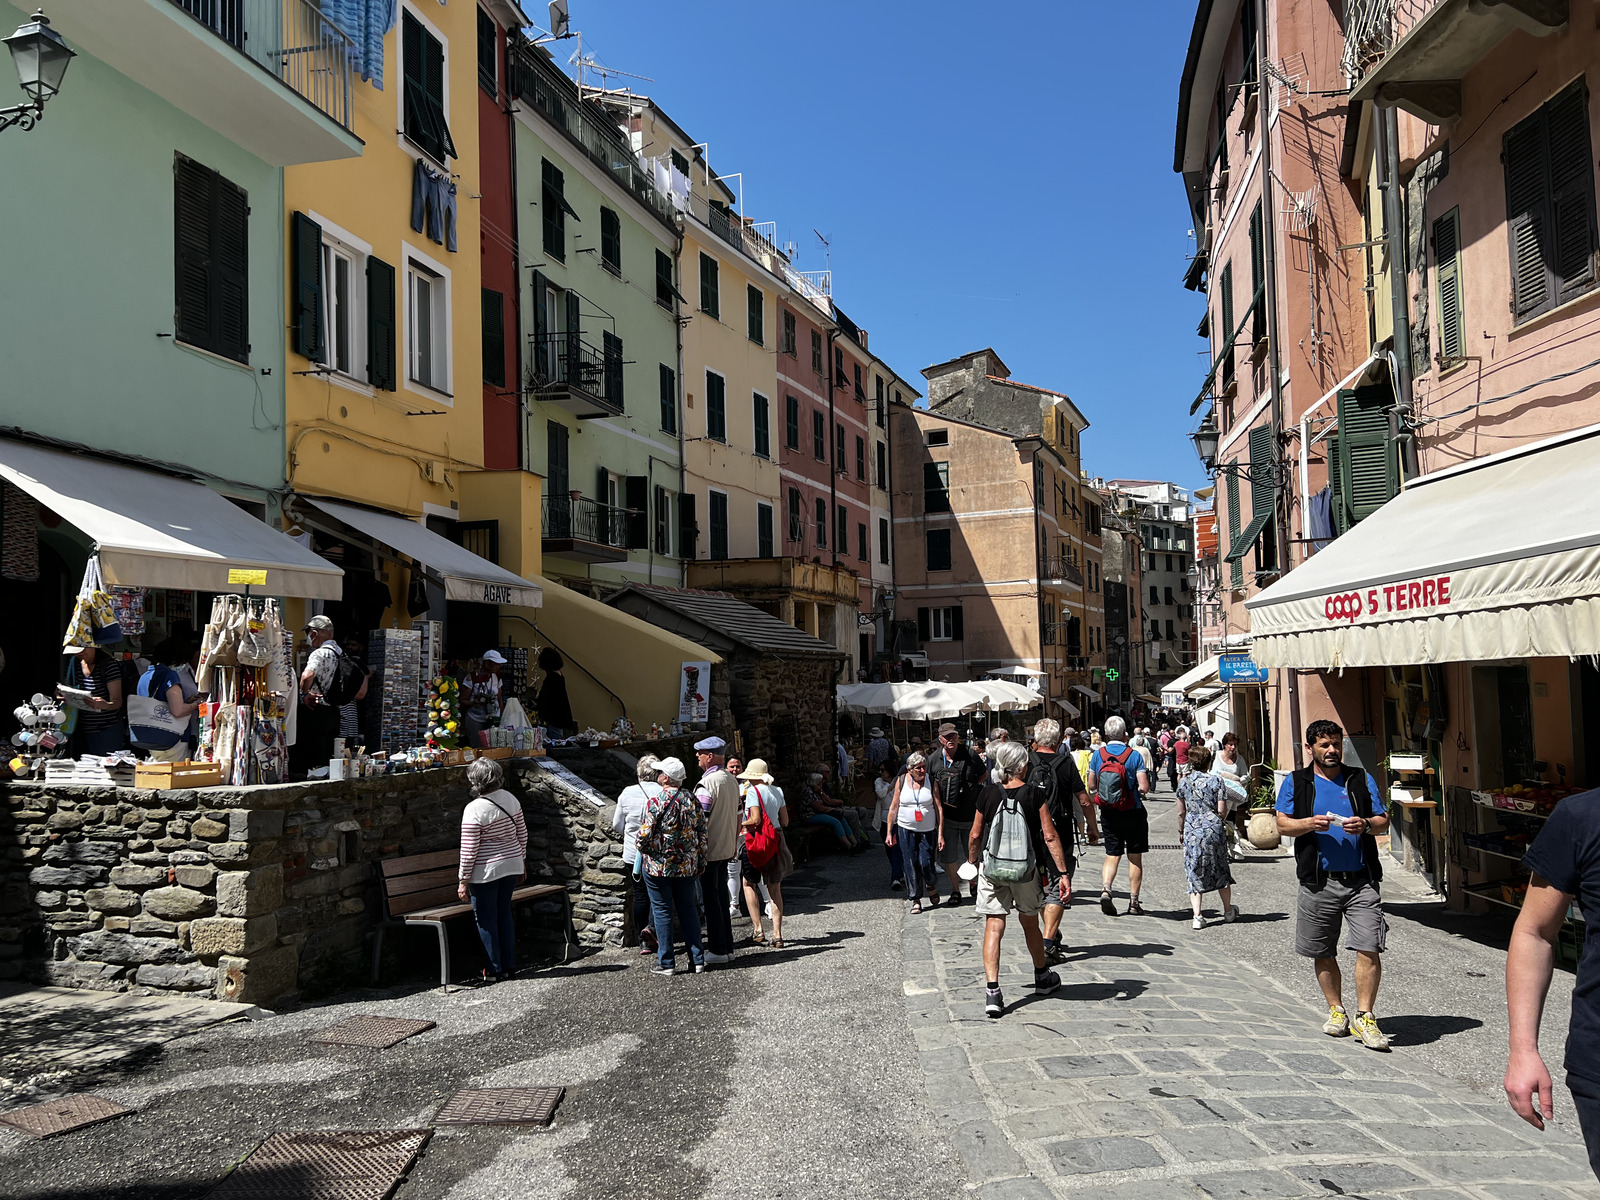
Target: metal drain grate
column 379, row 1033
column 62, row 1116
column 501, row 1106
column 361, row 1164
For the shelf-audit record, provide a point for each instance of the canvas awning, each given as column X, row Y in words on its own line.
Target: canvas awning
column 158, row 531
column 1088, row 692
column 1068, row 707
column 466, row 576
column 1496, row 558
column 1174, row 693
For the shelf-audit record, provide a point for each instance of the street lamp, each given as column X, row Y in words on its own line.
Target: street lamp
column 1205, row 441
column 41, row 59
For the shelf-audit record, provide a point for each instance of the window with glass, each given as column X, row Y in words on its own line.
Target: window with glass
column 938, row 547
column 936, row 487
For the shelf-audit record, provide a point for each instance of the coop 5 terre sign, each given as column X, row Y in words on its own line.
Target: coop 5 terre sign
column 1414, row 595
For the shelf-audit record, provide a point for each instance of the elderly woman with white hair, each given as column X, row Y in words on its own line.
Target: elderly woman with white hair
column 674, row 842
column 625, row 821
column 916, row 824
column 494, row 843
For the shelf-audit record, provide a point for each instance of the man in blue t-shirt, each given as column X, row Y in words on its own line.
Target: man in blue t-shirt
column 1333, row 813
column 1126, row 830
column 1565, row 864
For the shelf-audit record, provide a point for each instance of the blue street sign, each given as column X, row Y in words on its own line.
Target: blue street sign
column 1239, row 668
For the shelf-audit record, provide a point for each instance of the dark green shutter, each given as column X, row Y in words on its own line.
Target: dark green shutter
column 636, row 493
column 1571, row 192
column 1237, row 571
column 1550, row 212
column 1263, row 492
column 688, row 530
column 1225, row 334
column 1447, row 269
column 755, row 315
column 380, row 324
column 488, row 53
column 764, row 547
column 610, row 239
column 669, row 399
column 231, row 270
column 434, row 55
column 192, row 240
column 211, row 261
column 612, row 351
column 762, row 415
column 664, row 288
column 708, row 286
column 305, row 287
column 494, row 338
column 574, row 339
column 1341, row 523
column 1258, row 274
column 1368, row 470
column 543, row 350
column 924, row 624
column 1527, row 216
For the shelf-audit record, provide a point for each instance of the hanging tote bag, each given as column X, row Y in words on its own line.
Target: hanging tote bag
column 151, row 725
column 761, row 843
column 102, row 615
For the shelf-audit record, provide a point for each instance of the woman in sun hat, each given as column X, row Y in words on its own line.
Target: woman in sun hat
column 761, row 795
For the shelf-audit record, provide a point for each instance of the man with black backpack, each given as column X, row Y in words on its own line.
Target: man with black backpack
column 1119, row 782
column 331, row 679
column 1056, row 777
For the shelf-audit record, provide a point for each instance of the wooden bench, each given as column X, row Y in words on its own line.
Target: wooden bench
column 420, row 889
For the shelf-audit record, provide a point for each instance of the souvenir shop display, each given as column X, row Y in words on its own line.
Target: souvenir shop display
column 40, row 736
column 398, row 719
column 444, row 712
column 244, row 666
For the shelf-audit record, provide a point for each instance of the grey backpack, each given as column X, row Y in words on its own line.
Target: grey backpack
column 1008, row 856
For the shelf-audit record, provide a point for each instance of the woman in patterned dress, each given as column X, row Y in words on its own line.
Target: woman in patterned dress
column 1202, row 805
column 672, row 840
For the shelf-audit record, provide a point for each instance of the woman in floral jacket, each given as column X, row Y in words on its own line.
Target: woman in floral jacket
column 673, row 842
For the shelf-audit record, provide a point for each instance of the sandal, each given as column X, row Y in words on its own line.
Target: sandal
column 916, row 906
column 777, row 943
column 758, row 938
column 934, row 899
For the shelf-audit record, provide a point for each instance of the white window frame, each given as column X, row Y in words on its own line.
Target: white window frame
column 401, row 140
column 941, row 624
column 339, row 241
column 417, row 263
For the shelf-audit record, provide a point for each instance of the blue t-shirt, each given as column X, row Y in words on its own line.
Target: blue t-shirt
column 1566, row 854
column 1134, row 766
column 1338, row 850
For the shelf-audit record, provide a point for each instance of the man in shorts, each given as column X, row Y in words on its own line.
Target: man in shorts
column 1333, row 813
column 1125, row 830
column 1052, row 765
column 996, row 898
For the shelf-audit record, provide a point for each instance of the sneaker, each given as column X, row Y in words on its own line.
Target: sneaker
column 1045, row 982
column 1107, row 905
column 718, row 959
column 1365, row 1026
column 1232, row 914
column 897, row 885
column 993, row 1003
column 1135, row 909
column 1200, row 922
column 658, row 969
column 700, row 967
column 1337, row 1024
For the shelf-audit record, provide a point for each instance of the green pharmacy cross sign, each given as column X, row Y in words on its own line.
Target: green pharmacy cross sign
column 1113, row 673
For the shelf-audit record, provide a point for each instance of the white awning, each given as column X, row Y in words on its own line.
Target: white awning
column 1067, row 707
column 156, row 531
column 1496, row 558
column 1086, row 691
column 1173, row 693
column 465, row 575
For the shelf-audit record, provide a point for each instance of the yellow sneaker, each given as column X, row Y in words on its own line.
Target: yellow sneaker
column 1366, row 1028
column 1337, row 1024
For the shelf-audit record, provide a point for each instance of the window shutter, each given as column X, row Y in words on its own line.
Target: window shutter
column 1237, row 565
column 1263, row 493
column 957, row 632
column 1447, row 268
column 1571, row 192
column 574, row 335
column 636, row 492
column 380, row 324
column 669, row 399
column 610, row 238
column 1341, row 523
column 924, row 624
column 434, row 56
column 764, row 547
column 664, row 288
column 708, row 286
column 494, row 335
column 192, row 240
column 688, row 530
column 613, row 367
column 602, row 488
column 542, row 356
column 231, row 270
column 1527, row 216
column 1367, row 467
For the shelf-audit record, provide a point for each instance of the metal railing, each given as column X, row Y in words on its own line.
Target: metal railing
column 564, row 360
column 1060, row 568
column 291, row 40
column 585, row 519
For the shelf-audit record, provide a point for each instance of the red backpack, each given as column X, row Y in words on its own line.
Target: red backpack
column 761, row 843
column 1111, row 789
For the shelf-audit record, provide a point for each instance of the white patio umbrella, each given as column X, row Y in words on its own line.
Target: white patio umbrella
column 1018, row 670
column 939, row 702
column 869, row 697
column 1004, row 696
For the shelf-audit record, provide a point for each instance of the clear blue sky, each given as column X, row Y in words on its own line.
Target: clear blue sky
column 988, row 174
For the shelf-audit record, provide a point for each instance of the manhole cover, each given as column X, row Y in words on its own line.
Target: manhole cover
column 377, row 1032
column 501, row 1106
column 62, row 1116
column 362, row 1164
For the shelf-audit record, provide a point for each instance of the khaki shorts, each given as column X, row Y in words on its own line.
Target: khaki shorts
column 997, row 899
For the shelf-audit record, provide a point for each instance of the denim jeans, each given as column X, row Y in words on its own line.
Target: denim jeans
column 669, row 893
column 920, row 853
column 491, row 908
column 1586, row 1099
column 839, row 829
column 897, row 862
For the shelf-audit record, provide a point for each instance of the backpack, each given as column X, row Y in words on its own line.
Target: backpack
column 761, row 843
column 1008, row 857
column 1042, row 775
column 347, row 680
column 1111, row 788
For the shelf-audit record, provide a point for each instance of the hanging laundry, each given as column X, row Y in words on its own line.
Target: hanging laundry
column 433, row 205
column 366, row 22
column 1321, row 518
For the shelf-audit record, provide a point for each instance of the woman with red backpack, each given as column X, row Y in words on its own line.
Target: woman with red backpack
column 763, row 850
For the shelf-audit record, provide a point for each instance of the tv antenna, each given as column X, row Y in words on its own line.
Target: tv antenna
column 588, row 62
column 827, row 249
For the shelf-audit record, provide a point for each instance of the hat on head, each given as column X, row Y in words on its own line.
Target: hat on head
column 493, row 656
column 673, row 769
column 875, row 731
column 757, row 771
column 321, row 624
column 947, row 728
column 712, row 744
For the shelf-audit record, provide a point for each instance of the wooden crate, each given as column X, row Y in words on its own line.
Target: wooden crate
column 164, row 776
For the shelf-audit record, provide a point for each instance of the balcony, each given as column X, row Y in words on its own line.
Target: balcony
column 1414, row 53
column 776, row 579
column 1060, row 572
column 577, row 527
column 272, row 76
column 568, row 372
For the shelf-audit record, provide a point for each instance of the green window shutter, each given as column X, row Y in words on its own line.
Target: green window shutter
column 1341, row 521
column 716, row 407
column 488, row 54
column 433, row 53
column 380, row 324
column 231, row 270
column 669, row 399
column 708, row 287
column 1263, row 493
column 791, row 422
column 764, row 546
column 610, row 239
column 1233, row 532
column 574, row 336
column 636, row 497
column 1258, row 274
column 755, row 315
column 612, row 366
column 552, row 202
column 1571, row 193
column 494, row 337
column 664, row 288
column 761, row 412
column 543, row 351
column 1447, row 269
column 688, row 528
column 1368, row 471
column 1225, row 334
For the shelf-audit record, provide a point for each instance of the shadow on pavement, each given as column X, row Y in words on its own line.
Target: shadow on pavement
column 1419, row 1031
column 1492, row 928
column 1119, row 950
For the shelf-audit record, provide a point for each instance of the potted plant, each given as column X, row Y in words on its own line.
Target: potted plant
column 1262, row 829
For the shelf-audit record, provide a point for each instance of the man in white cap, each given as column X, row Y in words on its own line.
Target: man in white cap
column 480, row 696
column 718, row 793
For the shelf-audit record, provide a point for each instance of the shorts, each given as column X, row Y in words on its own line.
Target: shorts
column 1586, row 1099
column 1322, row 911
column 1125, row 831
column 1050, row 882
column 998, row 899
column 956, row 836
column 1183, row 769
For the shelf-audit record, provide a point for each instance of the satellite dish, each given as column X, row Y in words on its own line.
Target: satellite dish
column 559, row 18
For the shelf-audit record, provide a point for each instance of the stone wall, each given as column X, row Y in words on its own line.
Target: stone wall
column 259, row 893
column 783, row 708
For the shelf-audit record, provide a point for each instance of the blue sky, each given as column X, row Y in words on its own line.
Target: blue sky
column 994, row 174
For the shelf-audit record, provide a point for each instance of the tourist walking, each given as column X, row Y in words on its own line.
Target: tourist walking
column 673, row 842
column 1055, row 776
column 1565, row 864
column 1119, row 783
column 625, row 821
column 1235, row 775
column 494, row 843
column 1333, row 813
column 761, row 797
column 957, row 773
column 1080, row 759
column 884, row 788
column 1021, row 836
column 1202, row 828
column 718, row 793
column 1180, row 752
column 917, row 826
column 879, row 749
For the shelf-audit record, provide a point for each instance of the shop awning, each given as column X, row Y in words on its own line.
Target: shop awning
column 1174, row 693
column 156, row 531
column 1086, row 691
column 1068, row 707
column 1496, row 558
column 465, row 575
column 1148, row 698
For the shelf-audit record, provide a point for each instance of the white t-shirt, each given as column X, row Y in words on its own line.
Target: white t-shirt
column 771, row 799
column 885, row 790
column 917, row 809
column 629, row 812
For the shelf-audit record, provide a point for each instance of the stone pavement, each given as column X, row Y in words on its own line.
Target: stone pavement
column 1162, row 1070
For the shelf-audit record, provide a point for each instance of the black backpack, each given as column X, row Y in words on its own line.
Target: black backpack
column 347, row 680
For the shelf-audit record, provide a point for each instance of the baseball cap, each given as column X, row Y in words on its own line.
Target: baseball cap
column 948, row 728
column 493, row 656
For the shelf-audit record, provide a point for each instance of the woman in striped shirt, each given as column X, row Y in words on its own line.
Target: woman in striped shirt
column 494, row 840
